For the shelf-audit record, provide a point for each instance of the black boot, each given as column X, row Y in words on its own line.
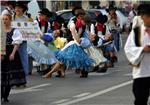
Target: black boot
column 84, row 74
column 6, row 94
column 6, row 100
column 95, row 68
column 2, row 92
column 115, row 59
column 102, row 70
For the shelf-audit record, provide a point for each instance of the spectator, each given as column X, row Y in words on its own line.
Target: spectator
column 131, row 15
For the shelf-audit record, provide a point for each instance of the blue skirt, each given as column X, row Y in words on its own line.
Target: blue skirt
column 41, row 53
column 110, row 47
column 75, row 57
column 24, row 57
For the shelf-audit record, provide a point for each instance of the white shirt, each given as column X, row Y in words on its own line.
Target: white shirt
column 17, row 37
column 131, row 15
column 111, row 23
column 136, row 55
column 23, row 18
column 137, row 21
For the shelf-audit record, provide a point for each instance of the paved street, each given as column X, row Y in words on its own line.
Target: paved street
column 111, row 88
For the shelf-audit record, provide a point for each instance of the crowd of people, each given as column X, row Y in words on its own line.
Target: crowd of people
column 82, row 46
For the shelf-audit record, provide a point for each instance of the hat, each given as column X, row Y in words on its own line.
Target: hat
column 111, row 7
column 22, row 5
column 46, row 12
column 60, row 19
column 101, row 18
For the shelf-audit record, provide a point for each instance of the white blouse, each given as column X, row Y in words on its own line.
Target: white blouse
column 17, row 37
column 136, row 56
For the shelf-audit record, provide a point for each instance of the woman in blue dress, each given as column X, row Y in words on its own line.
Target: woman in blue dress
column 19, row 16
column 73, row 54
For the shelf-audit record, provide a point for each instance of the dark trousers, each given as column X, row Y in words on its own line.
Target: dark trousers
column 141, row 90
column 5, row 90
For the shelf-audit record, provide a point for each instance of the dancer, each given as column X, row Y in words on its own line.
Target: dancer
column 11, row 67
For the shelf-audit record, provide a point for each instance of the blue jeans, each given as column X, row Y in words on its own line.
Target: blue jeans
column 116, row 38
column 24, row 57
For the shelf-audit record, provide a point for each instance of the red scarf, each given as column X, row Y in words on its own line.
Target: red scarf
column 56, row 25
column 43, row 22
column 148, row 31
column 99, row 27
column 78, row 23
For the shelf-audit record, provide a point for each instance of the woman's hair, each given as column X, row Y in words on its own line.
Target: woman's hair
column 101, row 18
column 79, row 12
column 9, row 15
column 86, row 19
column 61, row 33
column 74, row 9
column 67, row 35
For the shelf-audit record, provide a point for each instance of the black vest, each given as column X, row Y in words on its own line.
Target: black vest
column 137, row 32
column 45, row 28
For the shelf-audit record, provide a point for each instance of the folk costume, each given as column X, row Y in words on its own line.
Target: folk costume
column 138, row 38
column 12, row 73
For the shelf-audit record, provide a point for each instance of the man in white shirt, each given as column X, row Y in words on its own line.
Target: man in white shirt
column 137, row 49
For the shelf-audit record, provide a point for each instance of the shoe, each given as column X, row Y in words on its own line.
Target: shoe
column 110, row 65
column 58, row 74
column 115, row 59
column 62, row 76
column 30, row 73
column 21, row 86
column 6, row 100
column 95, row 69
column 102, row 70
column 84, row 74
